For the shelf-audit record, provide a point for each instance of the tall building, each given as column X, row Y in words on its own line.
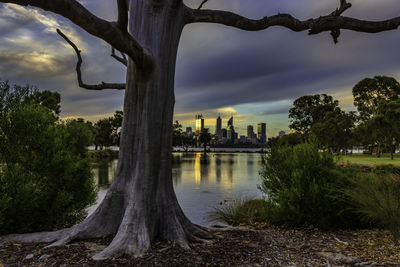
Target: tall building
column 199, row 123
column 250, row 131
column 218, row 126
column 262, row 132
column 230, row 131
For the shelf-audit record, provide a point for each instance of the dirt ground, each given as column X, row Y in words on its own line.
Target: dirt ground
column 269, row 246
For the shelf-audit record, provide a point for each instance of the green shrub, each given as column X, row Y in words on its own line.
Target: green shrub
column 377, row 199
column 241, row 212
column 305, row 187
column 46, row 181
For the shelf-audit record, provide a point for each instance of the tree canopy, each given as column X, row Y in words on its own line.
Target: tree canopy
column 370, row 91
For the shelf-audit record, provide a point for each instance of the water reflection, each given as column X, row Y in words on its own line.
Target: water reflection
column 199, row 185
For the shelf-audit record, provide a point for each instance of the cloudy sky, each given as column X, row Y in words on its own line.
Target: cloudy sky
column 253, row 75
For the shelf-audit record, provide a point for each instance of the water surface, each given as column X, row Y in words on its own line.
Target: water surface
column 201, row 186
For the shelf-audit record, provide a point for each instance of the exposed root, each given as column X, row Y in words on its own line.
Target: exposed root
column 42, row 237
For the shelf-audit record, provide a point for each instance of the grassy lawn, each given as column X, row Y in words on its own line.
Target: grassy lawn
column 370, row 159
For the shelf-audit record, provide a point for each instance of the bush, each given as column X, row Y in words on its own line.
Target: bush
column 305, row 188
column 377, row 199
column 241, row 212
column 46, row 181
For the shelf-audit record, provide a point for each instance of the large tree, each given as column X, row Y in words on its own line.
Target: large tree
column 310, row 109
column 370, row 91
column 141, row 205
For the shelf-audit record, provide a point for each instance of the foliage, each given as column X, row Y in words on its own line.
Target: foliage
column 291, row 139
column 46, row 171
column 370, row 91
column 241, row 212
column 14, row 95
column 335, row 131
column 48, row 99
column 377, row 198
column 177, row 134
column 303, row 185
column 103, row 136
column 107, row 130
column 382, row 129
column 310, row 109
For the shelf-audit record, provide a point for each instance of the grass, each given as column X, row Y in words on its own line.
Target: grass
column 241, row 212
column 370, row 160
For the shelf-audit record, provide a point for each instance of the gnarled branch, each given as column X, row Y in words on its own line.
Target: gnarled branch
column 121, row 59
column 103, row 85
column 122, row 15
column 202, row 4
column 108, row 31
column 332, row 22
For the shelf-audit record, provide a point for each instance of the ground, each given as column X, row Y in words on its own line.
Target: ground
column 371, row 160
column 268, row 246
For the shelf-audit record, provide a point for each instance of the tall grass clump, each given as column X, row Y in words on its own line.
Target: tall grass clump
column 241, row 212
column 376, row 197
column 304, row 187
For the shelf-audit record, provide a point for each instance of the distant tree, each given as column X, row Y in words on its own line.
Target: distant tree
column 116, row 124
column 177, row 134
column 335, row 131
column 81, row 134
column 45, row 172
column 205, row 138
column 310, row 109
column 384, row 126
column 15, row 95
column 370, row 91
column 104, row 130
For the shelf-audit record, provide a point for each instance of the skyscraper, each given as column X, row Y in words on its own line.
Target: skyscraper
column 230, row 131
column 199, row 123
column 262, row 133
column 218, row 126
column 250, row 131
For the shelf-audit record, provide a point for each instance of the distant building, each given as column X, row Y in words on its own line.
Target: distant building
column 224, row 133
column 218, row 126
column 199, row 123
column 242, row 139
column 282, row 133
column 189, row 131
column 262, row 132
column 230, row 131
column 250, row 132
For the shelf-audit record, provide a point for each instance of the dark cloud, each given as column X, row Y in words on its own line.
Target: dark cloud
column 217, row 66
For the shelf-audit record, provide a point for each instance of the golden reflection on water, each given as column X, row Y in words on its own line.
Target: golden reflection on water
column 197, row 169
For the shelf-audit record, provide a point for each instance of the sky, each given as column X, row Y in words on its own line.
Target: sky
column 254, row 76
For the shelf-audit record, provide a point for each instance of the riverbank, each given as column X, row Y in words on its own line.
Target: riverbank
column 268, row 246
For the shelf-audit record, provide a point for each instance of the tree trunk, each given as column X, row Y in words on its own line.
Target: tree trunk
column 141, row 204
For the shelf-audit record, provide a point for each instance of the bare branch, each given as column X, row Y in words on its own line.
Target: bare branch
column 108, row 31
column 101, row 86
column 122, row 15
column 202, row 4
column 333, row 22
column 343, row 7
column 122, row 59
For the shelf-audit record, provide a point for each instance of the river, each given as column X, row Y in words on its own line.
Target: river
column 201, row 186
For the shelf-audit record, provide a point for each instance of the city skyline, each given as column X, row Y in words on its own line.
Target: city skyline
column 212, row 125
column 220, row 70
